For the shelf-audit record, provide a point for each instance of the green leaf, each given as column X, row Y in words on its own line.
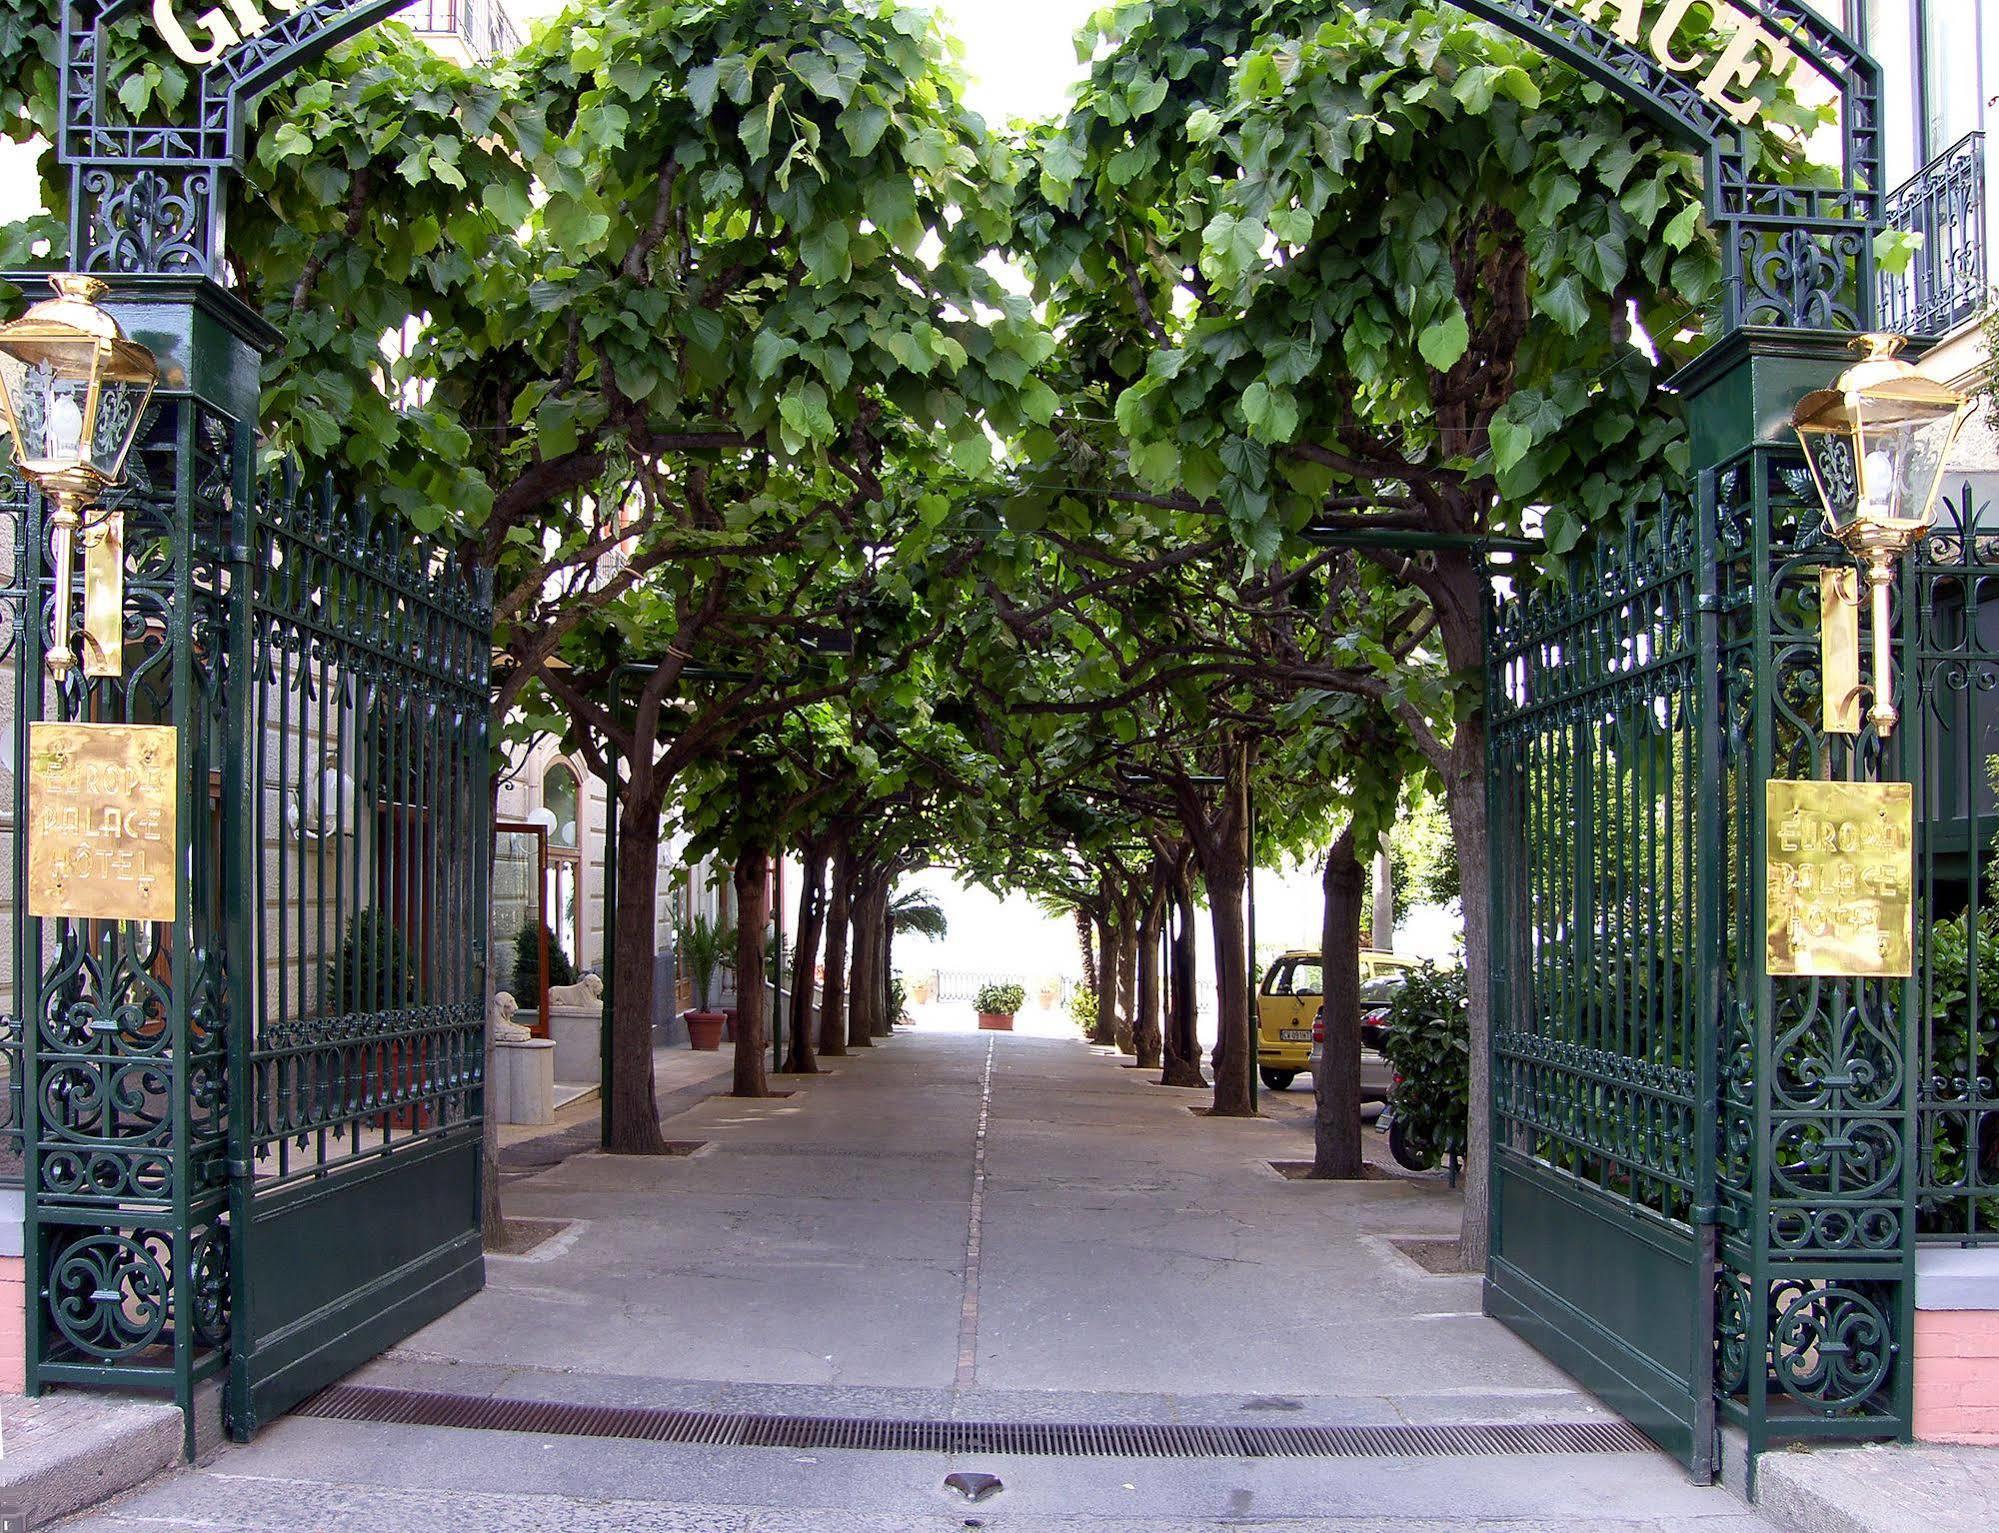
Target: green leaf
column 769, row 352
column 702, row 85
column 1271, row 414
column 1566, row 302
column 1156, row 465
column 824, row 250
column 1444, row 341
column 1511, row 442
column 973, row 452
column 863, row 125
column 1685, row 225
column 574, row 225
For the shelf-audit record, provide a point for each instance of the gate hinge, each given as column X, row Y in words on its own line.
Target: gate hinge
column 1705, row 1213
column 1707, row 601
column 239, row 1170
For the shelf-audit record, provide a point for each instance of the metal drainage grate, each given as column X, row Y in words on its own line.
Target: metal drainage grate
column 725, row 1429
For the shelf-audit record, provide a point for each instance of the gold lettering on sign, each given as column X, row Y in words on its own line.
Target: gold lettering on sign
column 1840, row 871
column 102, row 821
column 1747, row 51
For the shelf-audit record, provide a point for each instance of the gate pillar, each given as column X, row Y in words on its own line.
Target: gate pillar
column 1816, row 1148
column 124, row 1042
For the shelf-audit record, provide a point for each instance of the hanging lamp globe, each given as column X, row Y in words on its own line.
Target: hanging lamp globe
column 1877, row 444
column 74, row 390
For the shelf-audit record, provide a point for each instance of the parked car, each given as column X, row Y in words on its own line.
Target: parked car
column 1287, row 1001
column 1377, row 1076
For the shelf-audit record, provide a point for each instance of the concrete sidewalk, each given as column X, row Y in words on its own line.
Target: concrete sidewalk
column 861, row 1249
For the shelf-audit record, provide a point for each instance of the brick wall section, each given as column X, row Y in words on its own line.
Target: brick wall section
column 1957, row 1376
column 13, row 1326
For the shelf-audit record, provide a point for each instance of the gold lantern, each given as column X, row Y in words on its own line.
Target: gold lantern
column 1877, row 442
column 75, row 390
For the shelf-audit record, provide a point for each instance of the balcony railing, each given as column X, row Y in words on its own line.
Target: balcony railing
column 1945, row 285
column 482, row 25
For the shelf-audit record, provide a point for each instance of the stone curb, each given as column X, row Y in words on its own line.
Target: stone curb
column 1881, row 1489
column 67, row 1451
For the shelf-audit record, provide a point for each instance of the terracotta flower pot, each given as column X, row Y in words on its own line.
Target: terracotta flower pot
column 995, row 1021
column 704, row 1029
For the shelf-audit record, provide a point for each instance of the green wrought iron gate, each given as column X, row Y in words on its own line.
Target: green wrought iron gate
column 1703, row 1174
column 251, row 1137
column 1605, row 799
column 360, row 855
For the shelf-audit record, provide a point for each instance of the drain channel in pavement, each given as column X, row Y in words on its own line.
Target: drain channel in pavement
column 731, row 1429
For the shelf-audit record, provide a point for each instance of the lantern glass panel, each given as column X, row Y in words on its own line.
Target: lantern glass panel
column 1836, row 470
column 121, row 407
column 46, row 409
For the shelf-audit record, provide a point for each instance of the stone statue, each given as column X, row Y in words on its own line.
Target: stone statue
column 585, row 995
column 505, row 1028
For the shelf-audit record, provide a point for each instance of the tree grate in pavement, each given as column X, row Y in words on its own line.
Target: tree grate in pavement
column 731, row 1429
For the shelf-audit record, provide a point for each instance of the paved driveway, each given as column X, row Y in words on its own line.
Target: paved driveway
column 955, row 1227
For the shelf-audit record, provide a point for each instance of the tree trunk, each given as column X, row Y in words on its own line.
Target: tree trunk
column 634, row 1108
column 492, row 1223
column 1145, row 1029
column 1085, row 941
column 885, row 1012
column 1105, row 1030
column 833, row 1005
column 752, row 989
column 1457, row 593
column 1336, row 1118
column 1465, row 801
column 800, row 1055
column 863, row 990
column 1127, row 981
column 1235, row 1054
column 1381, row 919
column 1182, row 1063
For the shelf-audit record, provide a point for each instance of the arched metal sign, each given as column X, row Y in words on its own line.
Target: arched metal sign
column 1798, row 253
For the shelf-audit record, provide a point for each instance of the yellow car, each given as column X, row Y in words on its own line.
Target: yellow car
column 1290, row 994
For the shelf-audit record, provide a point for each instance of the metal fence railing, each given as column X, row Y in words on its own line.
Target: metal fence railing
column 1945, row 284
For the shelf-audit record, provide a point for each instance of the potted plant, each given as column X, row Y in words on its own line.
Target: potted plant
column 698, row 947
column 997, row 1004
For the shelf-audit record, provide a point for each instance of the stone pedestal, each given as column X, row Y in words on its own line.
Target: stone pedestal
column 523, row 1086
column 578, row 1038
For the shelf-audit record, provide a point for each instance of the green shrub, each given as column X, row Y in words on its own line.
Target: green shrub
column 1962, row 1050
column 1000, row 1000
column 1083, row 1009
column 1428, row 1042
column 898, row 996
column 527, row 964
column 373, row 970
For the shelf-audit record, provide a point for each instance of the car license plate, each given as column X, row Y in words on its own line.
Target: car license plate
column 1294, row 1035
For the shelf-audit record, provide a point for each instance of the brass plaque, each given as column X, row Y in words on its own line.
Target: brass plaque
column 1839, row 648
column 101, row 821
column 1840, row 871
